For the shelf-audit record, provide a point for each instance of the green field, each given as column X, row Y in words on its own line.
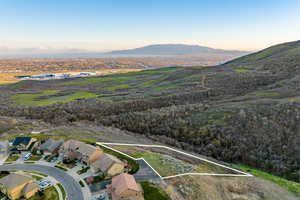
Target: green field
column 109, row 88
column 289, row 185
column 122, row 86
column 100, row 80
column 48, row 97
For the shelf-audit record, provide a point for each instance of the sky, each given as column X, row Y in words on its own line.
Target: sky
column 121, row 24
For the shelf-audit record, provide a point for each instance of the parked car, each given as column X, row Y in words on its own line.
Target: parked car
column 99, row 196
column 54, row 160
column 27, row 156
column 44, row 184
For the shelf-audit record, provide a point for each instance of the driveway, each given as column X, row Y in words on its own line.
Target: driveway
column 99, row 186
column 72, row 187
column 145, row 173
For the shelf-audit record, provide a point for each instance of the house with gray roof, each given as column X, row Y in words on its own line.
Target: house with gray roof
column 51, row 145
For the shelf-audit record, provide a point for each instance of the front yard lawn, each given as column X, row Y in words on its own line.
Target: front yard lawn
column 83, row 170
column 12, row 158
column 35, row 158
column 62, row 189
column 4, row 173
column 81, row 183
column 60, row 167
column 37, row 177
column 68, row 163
column 48, row 158
column 48, row 194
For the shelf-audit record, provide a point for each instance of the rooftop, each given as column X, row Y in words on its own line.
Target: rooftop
column 14, row 180
column 21, row 140
column 124, row 182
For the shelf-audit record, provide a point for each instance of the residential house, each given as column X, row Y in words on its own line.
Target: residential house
column 124, row 187
column 17, row 185
column 76, row 150
column 108, row 164
column 51, row 145
column 23, row 143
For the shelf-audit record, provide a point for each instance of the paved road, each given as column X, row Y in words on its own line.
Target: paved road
column 71, row 186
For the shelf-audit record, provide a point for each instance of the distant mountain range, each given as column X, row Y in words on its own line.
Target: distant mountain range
column 6, row 52
column 174, row 50
column 151, row 50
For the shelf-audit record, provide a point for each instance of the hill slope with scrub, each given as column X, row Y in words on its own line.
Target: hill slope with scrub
column 246, row 111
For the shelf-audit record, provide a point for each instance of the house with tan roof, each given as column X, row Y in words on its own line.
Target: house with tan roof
column 17, row 185
column 108, row 165
column 124, row 187
column 76, row 150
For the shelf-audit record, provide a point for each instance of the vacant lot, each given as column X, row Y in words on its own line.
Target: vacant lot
column 169, row 163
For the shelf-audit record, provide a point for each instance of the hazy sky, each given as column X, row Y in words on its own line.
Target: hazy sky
column 120, row 24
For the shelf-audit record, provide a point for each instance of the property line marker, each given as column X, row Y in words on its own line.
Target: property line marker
column 242, row 174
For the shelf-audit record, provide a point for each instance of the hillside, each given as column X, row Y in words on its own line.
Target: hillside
column 281, row 51
column 175, row 49
column 246, row 111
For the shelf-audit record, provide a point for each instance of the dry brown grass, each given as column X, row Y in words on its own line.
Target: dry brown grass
column 227, row 188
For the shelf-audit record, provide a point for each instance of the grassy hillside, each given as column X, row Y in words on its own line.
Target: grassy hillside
column 291, row 186
column 245, row 111
column 47, row 97
column 277, row 52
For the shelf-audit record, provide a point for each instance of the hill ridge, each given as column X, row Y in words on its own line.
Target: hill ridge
column 174, row 49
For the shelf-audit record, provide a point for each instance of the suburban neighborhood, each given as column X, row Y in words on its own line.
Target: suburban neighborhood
column 45, row 168
column 56, row 76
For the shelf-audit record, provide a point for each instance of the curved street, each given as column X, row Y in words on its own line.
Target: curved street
column 72, row 187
